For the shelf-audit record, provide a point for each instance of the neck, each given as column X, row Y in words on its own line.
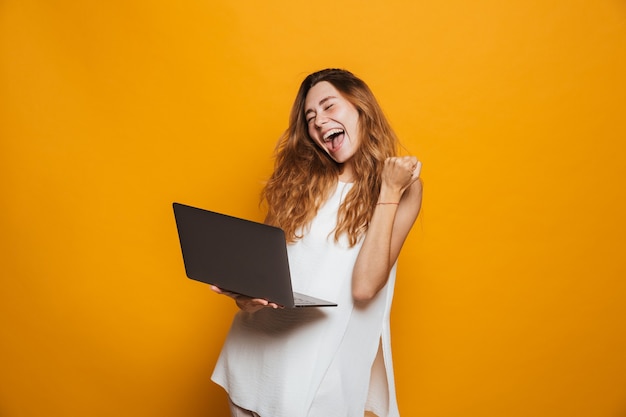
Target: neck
column 346, row 174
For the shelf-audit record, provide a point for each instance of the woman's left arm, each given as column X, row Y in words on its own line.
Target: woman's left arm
column 398, row 206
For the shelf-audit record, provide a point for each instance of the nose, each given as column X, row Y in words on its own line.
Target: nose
column 320, row 120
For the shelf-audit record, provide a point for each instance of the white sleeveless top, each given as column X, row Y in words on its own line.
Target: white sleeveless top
column 314, row 362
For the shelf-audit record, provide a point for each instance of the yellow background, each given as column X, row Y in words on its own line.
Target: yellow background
column 511, row 291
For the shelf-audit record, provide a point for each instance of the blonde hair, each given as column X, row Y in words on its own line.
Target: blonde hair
column 304, row 175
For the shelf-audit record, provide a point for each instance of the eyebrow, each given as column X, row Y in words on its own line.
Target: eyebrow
column 322, row 101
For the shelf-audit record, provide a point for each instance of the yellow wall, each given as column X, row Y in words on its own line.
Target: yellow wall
column 510, row 299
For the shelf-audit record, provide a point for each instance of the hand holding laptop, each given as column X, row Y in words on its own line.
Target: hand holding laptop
column 246, row 303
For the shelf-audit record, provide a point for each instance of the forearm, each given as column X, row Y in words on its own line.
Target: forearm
column 375, row 258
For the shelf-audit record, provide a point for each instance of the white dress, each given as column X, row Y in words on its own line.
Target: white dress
column 314, row 362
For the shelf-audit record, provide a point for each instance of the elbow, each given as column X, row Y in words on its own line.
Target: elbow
column 365, row 287
column 363, row 294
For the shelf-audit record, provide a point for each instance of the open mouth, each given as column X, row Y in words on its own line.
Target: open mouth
column 334, row 137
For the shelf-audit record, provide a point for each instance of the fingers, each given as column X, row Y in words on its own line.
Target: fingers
column 402, row 170
column 415, row 174
column 254, row 304
column 264, row 303
column 244, row 302
column 224, row 292
column 417, row 168
column 408, row 163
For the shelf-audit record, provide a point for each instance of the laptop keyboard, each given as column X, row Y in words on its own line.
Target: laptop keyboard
column 302, row 301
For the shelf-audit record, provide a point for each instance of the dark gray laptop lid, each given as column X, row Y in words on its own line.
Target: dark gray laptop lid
column 234, row 254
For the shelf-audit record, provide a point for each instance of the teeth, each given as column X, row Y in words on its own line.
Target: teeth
column 332, row 132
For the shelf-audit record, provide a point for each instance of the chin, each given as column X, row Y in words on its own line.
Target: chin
column 338, row 160
column 342, row 157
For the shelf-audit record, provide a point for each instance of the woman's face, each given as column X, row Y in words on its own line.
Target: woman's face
column 333, row 122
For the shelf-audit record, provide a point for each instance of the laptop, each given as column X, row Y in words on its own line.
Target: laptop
column 239, row 256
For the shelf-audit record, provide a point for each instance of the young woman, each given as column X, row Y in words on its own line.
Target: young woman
column 346, row 203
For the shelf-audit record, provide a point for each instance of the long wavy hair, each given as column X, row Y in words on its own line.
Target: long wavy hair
column 304, row 175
